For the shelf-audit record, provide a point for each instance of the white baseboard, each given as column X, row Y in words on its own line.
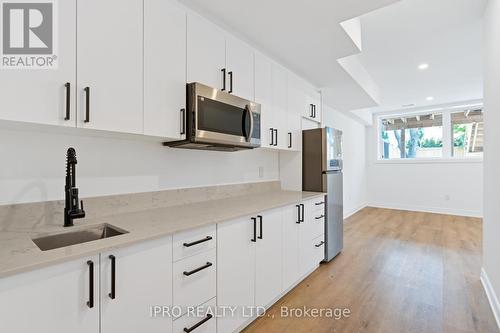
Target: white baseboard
column 354, row 211
column 435, row 210
column 492, row 297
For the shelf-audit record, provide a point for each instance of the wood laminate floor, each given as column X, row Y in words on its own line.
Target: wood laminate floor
column 399, row 272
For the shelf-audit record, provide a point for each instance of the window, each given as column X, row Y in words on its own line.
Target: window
column 468, row 132
column 419, row 136
column 456, row 133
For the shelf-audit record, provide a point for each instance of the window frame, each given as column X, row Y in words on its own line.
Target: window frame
column 447, row 155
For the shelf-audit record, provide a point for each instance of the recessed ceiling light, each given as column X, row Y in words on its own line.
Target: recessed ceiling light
column 430, row 98
column 423, row 66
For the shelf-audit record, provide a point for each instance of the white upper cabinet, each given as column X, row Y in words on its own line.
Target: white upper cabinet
column 53, row 299
column 110, row 65
column 312, row 110
column 240, row 69
column 280, row 97
column 142, row 278
column 206, row 52
column 164, row 69
column 263, row 96
column 297, row 99
column 45, row 96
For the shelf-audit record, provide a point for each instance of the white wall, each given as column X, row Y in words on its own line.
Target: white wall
column 445, row 187
column 491, row 225
column 32, row 165
column 355, row 175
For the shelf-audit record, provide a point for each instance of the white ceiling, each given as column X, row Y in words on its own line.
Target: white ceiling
column 446, row 34
column 397, row 35
column 304, row 35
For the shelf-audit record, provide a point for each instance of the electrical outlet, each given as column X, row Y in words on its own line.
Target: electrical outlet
column 261, row 172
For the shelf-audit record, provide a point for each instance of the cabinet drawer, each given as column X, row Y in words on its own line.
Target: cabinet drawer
column 203, row 316
column 318, row 221
column 318, row 244
column 194, row 280
column 191, row 242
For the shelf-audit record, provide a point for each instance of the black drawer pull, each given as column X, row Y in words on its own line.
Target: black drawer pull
column 319, row 217
column 208, row 264
column 68, row 101
column 260, row 226
column 201, row 322
column 319, row 203
column 206, row 239
column 254, row 239
column 112, row 294
column 90, row 302
column 318, row 245
column 87, row 105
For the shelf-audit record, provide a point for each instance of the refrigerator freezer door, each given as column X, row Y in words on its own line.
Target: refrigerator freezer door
column 334, row 214
column 332, row 149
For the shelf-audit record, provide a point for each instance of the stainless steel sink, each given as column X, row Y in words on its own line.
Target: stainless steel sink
column 79, row 236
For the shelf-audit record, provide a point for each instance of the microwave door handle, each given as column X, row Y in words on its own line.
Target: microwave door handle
column 250, row 113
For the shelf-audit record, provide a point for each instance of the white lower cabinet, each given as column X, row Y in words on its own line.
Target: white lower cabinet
column 291, row 228
column 53, row 299
column 142, row 278
column 236, row 242
column 201, row 319
column 268, row 270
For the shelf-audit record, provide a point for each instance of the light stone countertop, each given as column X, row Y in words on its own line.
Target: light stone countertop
column 19, row 254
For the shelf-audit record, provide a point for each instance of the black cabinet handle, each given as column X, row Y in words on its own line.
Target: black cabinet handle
column 206, row 239
column 208, row 264
column 276, row 138
column 230, row 82
column 272, row 136
column 319, row 217
column 318, row 245
column 90, row 302
column 223, row 79
column 68, row 101
column 290, row 139
column 183, row 121
column 112, row 294
column 201, row 322
column 254, row 239
column 298, row 214
column 260, row 226
column 302, row 208
column 87, row 104
column 312, row 110
column 319, row 203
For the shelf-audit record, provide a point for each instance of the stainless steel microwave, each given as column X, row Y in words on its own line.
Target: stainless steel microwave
column 217, row 120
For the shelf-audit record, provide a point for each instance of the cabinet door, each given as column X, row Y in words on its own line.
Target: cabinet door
column 279, row 95
column 52, row 299
column 268, row 271
column 240, row 67
column 143, row 278
column 206, row 52
column 110, row 64
column 39, row 96
column 164, row 69
column 315, row 99
column 235, row 271
column 297, row 100
column 263, row 96
column 291, row 229
column 306, row 236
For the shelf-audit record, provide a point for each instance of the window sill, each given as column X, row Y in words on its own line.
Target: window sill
column 431, row 161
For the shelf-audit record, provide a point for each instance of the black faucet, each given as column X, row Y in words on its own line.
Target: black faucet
column 72, row 209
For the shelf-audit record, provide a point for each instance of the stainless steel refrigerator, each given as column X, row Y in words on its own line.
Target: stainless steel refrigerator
column 322, row 172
